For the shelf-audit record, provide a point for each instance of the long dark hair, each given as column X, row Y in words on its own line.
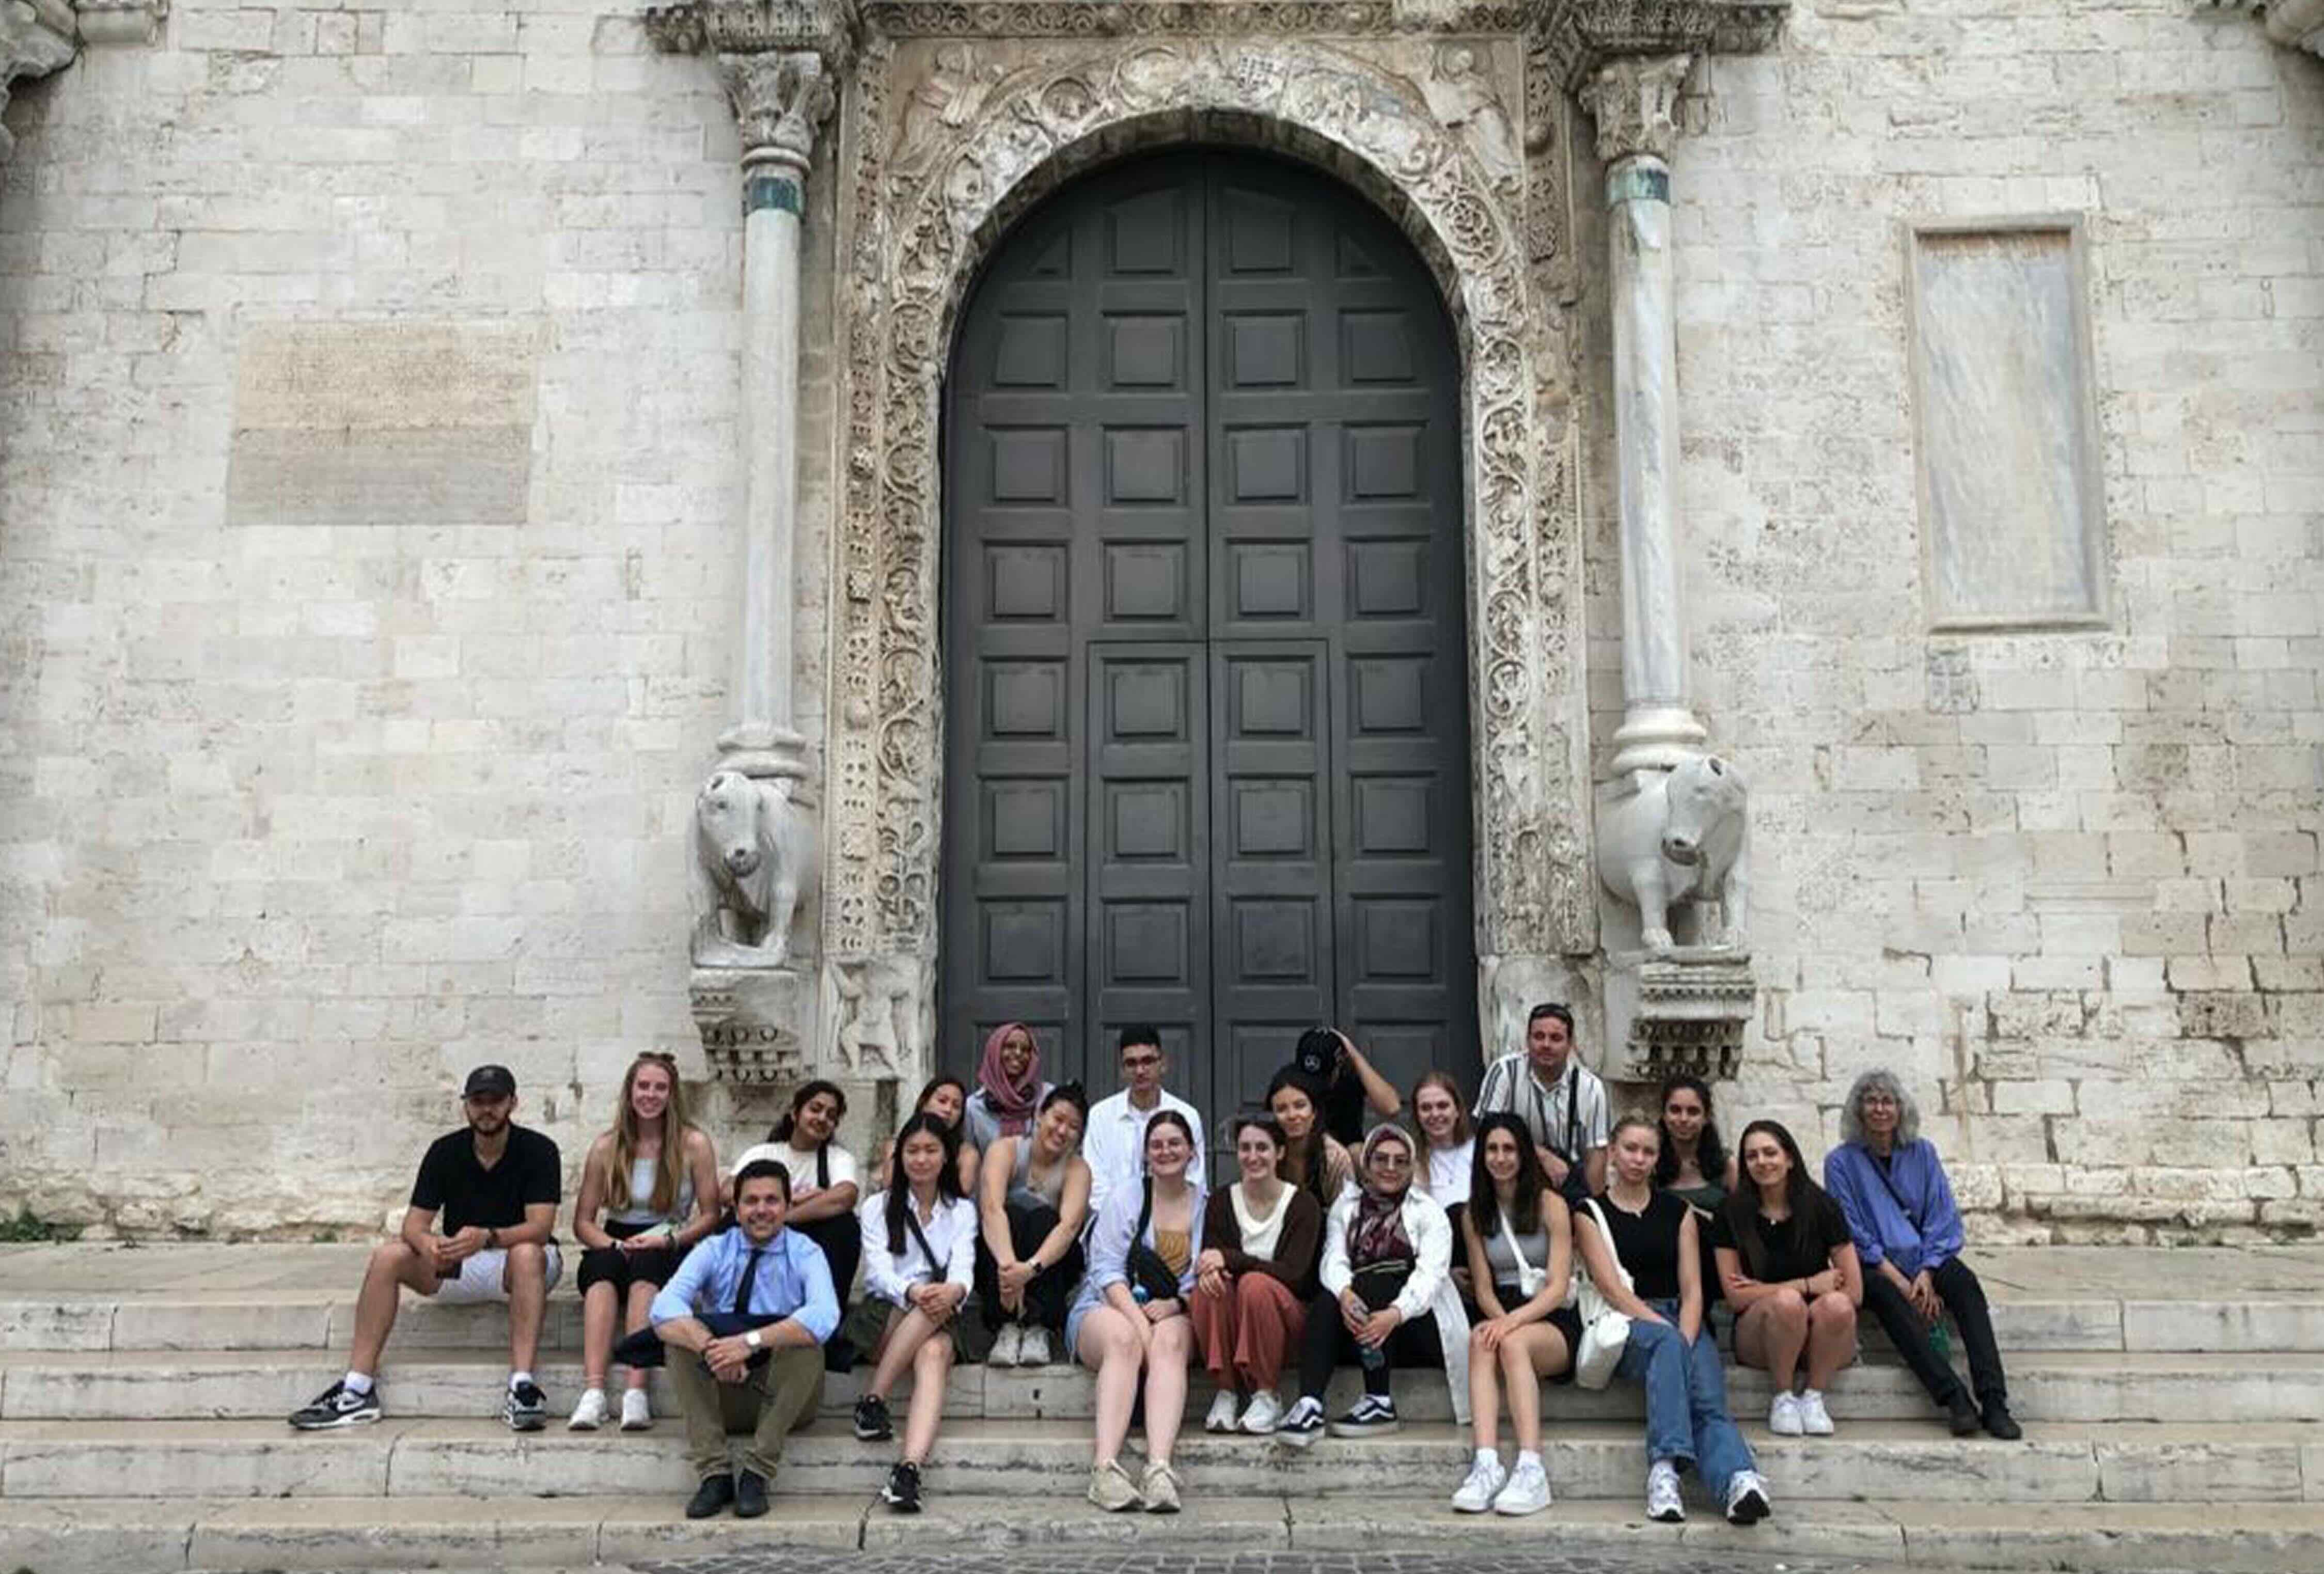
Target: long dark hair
column 1801, row 1196
column 1316, row 1177
column 899, row 1190
column 1709, row 1157
column 1524, row 1208
column 928, row 1090
column 789, row 1122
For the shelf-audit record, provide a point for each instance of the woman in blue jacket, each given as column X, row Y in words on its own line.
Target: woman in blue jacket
column 1889, row 1182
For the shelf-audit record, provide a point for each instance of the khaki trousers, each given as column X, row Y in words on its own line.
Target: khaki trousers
column 766, row 1404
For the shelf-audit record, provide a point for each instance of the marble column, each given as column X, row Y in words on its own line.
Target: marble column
column 779, row 98
column 1633, row 101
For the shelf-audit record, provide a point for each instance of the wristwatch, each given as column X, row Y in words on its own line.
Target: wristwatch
column 751, row 1339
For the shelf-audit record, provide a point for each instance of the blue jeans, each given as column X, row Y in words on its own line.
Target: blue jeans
column 1687, row 1400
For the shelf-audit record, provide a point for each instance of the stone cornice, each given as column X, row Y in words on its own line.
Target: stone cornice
column 1184, row 18
column 1580, row 36
column 36, row 37
column 825, row 28
column 121, row 20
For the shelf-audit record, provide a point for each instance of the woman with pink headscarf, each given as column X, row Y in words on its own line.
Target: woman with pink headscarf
column 1009, row 1086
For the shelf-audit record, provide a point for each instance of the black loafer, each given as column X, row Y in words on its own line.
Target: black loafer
column 2000, row 1423
column 750, row 1495
column 714, row 1493
column 1964, row 1415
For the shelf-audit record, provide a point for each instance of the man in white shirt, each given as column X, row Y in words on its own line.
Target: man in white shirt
column 1114, row 1142
column 1561, row 1100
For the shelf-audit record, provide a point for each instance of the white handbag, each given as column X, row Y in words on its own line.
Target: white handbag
column 1605, row 1332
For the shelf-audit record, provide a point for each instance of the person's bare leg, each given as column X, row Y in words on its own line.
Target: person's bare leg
column 931, row 1369
column 1485, row 1395
column 905, row 1335
column 1526, row 1356
column 598, row 1307
column 641, row 1312
column 526, row 1280
column 393, row 1265
column 1109, row 1347
column 1778, row 1332
column 1831, row 1338
column 1166, row 1385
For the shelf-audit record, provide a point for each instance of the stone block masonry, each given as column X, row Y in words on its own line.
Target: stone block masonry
column 368, row 473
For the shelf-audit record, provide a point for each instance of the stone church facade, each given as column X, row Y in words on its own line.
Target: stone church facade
column 484, row 504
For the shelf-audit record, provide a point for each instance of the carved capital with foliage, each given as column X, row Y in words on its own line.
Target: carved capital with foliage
column 780, row 101
column 1635, row 103
column 36, row 37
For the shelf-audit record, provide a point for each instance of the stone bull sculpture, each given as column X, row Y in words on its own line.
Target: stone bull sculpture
column 754, row 860
column 1683, row 836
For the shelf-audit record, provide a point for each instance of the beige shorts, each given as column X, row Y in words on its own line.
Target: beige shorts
column 483, row 1277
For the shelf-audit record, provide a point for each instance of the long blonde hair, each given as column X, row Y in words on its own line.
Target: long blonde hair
column 669, row 1169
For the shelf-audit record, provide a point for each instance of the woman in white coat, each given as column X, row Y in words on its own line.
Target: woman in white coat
column 1386, row 1299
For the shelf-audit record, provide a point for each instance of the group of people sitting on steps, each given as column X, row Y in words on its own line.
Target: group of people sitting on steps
column 1017, row 1224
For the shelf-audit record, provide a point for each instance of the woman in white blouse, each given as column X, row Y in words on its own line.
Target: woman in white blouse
column 919, row 1250
column 1449, row 1144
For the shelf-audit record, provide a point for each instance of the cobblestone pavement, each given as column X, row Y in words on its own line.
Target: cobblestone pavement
column 1118, row 1561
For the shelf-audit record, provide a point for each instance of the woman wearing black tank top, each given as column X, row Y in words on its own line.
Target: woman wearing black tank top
column 1670, row 1353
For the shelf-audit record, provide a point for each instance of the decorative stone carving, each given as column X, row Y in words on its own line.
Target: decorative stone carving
column 1463, row 97
column 2296, row 24
column 1634, row 103
column 1192, row 18
column 1688, row 1011
column 942, row 104
column 1679, row 837
column 36, row 37
column 886, row 1012
column 121, row 20
column 1067, row 107
column 755, row 861
column 826, row 27
column 779, row 100
column 749, row 1019
column 1578, row 36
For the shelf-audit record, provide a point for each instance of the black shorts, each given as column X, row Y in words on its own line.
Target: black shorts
column 609, row 1265
column 1565, row 1319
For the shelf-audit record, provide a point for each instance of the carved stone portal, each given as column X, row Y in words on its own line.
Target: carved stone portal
column 983, row 130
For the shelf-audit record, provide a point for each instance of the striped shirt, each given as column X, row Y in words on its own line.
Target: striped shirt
column 1569, row 1119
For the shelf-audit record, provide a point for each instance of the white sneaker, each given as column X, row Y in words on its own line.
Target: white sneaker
column 637, row 1411
column 1527, row 1491
column 1814, row 1419
column 1784, row 1415
column 1223, row 1416
column 1263, row 1415
column 590, row 1414
column 1487, row 1477
column 1747, row 1498
column 1007, row 1345
column 1034, row 1349
column 1663, row 1500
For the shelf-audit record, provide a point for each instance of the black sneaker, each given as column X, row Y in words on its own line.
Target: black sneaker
column 1964, row 1419
column 750, row 1495
column 871, row 1424
column 526, row 1408
column 2001, row 1424
column 338, row 1406
column 1303, row 1425
column 902, row 1492
column 1373, row 1415
column 714, row 1493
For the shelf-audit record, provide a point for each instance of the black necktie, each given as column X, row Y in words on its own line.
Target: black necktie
column 742, row 1288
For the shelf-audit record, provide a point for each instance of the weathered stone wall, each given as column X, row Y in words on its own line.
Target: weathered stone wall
column 367, row 470
column 2069, row 878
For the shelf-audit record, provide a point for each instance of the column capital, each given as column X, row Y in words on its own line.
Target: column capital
column 36, row 37
column 780, row 101
column 1634, row 101
column 756, row 27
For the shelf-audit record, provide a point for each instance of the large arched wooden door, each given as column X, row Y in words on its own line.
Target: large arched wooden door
column 1207, row 739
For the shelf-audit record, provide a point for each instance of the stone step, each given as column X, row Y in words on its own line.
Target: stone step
column 267, row 1385
column 143, row 1536
column 2126, row 1462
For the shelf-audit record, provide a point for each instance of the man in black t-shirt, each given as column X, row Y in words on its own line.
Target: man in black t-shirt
column 479, row 1227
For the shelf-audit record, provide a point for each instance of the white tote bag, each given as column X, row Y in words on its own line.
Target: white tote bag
column 1605, row 1332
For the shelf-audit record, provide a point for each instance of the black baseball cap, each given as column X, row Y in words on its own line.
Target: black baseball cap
column 490, row 1082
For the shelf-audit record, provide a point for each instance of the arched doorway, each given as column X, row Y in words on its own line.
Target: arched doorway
column 1206, row 758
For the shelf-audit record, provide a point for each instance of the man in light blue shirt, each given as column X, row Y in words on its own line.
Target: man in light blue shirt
column 746, row 1317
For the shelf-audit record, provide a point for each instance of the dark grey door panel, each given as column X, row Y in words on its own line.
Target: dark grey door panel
column 1207, row 737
